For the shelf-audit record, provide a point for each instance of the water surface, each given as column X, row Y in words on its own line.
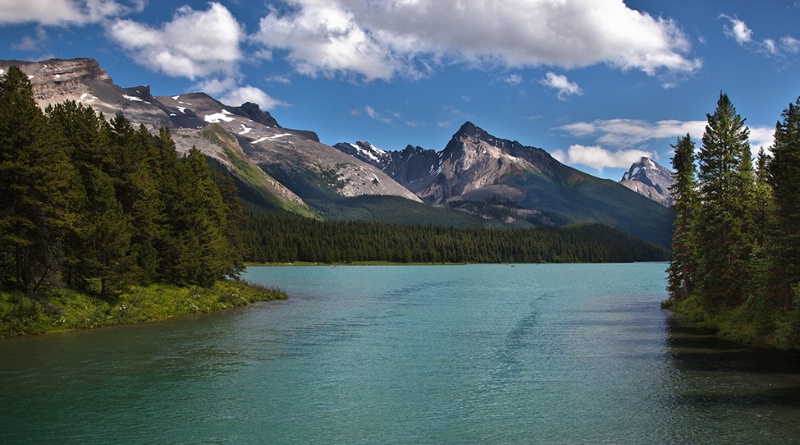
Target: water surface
column 407, row 354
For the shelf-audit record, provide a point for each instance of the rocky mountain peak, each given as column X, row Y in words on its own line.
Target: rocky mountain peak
column 650, row 179
column 253, row 112
column 54, row 79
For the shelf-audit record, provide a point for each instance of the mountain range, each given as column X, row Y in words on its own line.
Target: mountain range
column 477, row 179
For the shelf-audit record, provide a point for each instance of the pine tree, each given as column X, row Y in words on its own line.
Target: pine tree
column 785, row 179
column 724, row 224
column 105, row 235
column 36, row 179
column 682, row 266
column 234, row 216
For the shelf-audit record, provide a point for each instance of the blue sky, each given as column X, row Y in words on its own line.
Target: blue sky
column 597, row 83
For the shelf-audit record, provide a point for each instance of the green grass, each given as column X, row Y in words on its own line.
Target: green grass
column 74, row 310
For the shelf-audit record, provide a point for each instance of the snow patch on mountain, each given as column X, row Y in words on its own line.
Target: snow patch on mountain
column 267, row 138
column 370, row 152
column 216, row 118
column 88, row 98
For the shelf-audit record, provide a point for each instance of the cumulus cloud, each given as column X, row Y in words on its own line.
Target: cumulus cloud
column 247, row 93
column 194, row 44
column 761, row 137
column 380, row 40
column 737, row 30
column 65, row 12
column 561, row 84
column 598, row 158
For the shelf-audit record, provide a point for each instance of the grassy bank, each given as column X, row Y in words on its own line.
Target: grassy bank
column 753, row 323
column 73, row 310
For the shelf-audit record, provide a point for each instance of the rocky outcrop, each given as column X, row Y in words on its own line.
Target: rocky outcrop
column 647, row 178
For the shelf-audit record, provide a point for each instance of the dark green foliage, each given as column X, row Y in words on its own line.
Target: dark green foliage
column 683, row 265
column 102, row 205
column 393, row 210
column 784, row 176
column 280, row 237
column 741, row 237
column 36, row 181
column 725, row 219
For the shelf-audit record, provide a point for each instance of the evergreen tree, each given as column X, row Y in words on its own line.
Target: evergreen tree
column 36, row 179
column 763, row 217
column 725, row 225
column 105, row 235
column 234, row 216
column 785, row 179
column 683, row 264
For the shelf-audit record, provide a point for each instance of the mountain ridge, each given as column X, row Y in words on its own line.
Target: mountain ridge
column 495, row 180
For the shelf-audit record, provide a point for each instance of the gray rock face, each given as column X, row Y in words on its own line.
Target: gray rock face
column 219, row 131
column 650, row 179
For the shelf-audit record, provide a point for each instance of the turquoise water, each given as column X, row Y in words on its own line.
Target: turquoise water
column 484, row 354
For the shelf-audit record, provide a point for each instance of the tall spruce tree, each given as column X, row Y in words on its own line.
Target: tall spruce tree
column 683, row 264
column 762, row 255
column 785, row 179
column 36, row 179
column 725, row 221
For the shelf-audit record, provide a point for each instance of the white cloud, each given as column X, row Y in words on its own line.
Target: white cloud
column 630, row 132
column 626, row 133
column 377, row 116
column 738, row 30
column 32, row 43
column 65, row 12
column 561, row 84
column 790, row 44
column 513, row 79
column 598, row 158
column 323, row 39
column 380, row 40
column 761, row 137
column 195, row 44
column 743, row 35
column 247, row 93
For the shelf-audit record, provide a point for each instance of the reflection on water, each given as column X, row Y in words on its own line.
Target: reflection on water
column 725, row 393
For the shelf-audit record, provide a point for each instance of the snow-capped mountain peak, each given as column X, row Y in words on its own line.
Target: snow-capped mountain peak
column 650, row 179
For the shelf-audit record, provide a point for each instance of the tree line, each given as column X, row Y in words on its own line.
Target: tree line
column 87, row 202
column 736, row 244
column 95, row 204
column 275, row 237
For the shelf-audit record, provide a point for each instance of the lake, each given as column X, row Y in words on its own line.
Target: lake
column 473, row 354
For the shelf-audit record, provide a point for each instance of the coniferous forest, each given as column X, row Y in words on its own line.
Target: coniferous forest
column 85, row 201
column 279, row 238
column 736, row 246
column 97, row 205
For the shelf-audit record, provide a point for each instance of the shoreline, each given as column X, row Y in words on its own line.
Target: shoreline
column 20, row 316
